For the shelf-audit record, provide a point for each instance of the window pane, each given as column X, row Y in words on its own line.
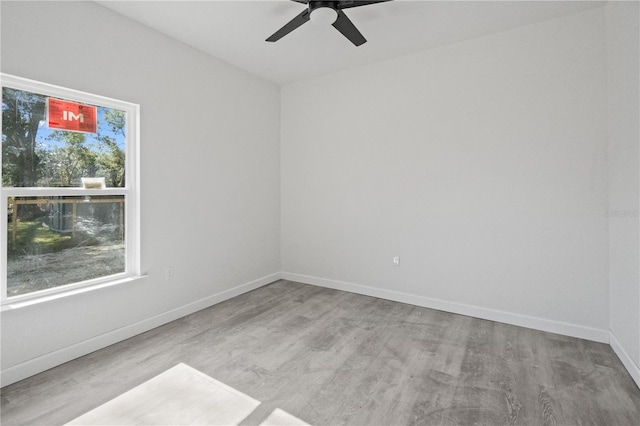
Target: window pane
column 37, row 151
column 54, row 241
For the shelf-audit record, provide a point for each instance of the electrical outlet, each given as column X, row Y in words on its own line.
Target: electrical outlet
column 168, row 273
column 396, row 261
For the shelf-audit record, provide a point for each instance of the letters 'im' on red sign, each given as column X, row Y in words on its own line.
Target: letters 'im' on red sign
column 71, row 116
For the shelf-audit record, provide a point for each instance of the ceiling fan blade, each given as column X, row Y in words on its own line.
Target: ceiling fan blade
column 302, row 18
column 301, row 1
column 348, row 4
column 346, row 27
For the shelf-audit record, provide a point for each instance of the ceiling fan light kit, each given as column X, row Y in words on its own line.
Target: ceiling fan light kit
column 323, row 12
column 327, row 13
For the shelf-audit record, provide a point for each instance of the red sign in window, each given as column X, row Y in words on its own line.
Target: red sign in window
column 71, row 116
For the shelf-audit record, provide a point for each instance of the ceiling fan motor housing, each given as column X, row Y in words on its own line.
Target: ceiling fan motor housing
column 315, row 4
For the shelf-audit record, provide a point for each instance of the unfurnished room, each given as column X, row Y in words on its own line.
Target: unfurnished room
column 300, row 212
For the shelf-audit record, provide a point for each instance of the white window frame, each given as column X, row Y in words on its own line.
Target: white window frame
column 130, row 191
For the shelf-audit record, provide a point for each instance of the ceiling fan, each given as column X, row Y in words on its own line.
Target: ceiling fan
column 325, row 13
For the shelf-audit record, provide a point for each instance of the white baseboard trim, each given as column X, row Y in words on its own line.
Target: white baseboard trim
column 627, row 361
column 42, row 363
column 558, row 327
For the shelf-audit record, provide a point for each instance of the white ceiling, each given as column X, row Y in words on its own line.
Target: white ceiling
column 234, row 31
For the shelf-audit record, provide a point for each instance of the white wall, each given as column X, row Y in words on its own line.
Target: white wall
column 624, row 180
column 210, row 174
column 481, row 164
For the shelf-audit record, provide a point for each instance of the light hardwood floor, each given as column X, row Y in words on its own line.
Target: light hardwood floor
column 333, row 358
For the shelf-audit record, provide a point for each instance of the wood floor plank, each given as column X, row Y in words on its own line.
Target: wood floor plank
column 329, row 357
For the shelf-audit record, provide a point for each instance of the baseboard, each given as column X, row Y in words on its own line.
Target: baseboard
column 42, row 363
column 627, row 361
column 50, row 360
column 558, row 327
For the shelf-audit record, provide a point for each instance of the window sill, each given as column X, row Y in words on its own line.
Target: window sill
column 10, row 305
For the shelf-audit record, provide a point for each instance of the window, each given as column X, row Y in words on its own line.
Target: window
column 69, row 190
